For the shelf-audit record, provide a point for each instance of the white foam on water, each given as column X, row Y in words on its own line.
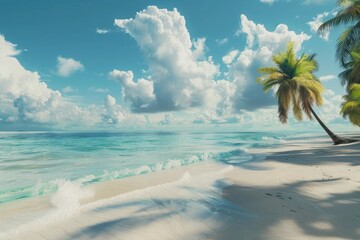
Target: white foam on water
column 69, row 195
column 66, row 203
column 174, row 163
column 142, row 170
column 272, row 140
column 46, row 187
column 189, row 198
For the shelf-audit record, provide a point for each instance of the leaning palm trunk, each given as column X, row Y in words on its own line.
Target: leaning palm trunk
column 336, row 139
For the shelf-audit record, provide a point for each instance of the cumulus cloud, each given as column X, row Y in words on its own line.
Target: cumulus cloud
column 258, row 36
column 261, row 45
column 229, row 58
column 117, row 115
column 68, row 66
column 17, row 83
column 140, row 94
column 25, row 98
column 181, row 76
column 113, row 113
column 7, row 49
column 56, row 110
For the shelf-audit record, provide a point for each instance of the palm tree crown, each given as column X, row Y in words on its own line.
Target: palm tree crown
column 295, row 82
column 351, row 107
column 348, row 14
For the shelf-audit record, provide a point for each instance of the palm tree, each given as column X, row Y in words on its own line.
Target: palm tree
column 348, row 14
column 296, row 86
column 351, row 107
column 351, row 74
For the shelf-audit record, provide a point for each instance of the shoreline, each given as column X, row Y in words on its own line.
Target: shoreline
column 300, row 191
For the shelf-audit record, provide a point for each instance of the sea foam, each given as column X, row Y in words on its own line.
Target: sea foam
column 190, row 197
column 69, row 194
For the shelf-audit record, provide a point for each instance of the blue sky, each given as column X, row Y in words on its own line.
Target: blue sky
column 115, row 64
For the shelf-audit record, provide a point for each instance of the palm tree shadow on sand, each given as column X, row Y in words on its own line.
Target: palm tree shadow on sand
column 335, row 216
column 158, row 216
column 311, row 216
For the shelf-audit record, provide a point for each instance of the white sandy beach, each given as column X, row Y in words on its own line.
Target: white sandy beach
column 301, row 191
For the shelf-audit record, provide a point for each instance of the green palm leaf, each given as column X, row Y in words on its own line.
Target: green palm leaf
column 297, row 85
column 349, row 14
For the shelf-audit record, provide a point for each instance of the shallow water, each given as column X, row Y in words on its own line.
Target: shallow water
column 34, row 164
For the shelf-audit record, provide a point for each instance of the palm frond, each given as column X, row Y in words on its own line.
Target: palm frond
column 296, row 82
column 346, row 43
column 268, row 70
column 350, row 108
column 349, row 14
column 351, row 74
column 344, row 76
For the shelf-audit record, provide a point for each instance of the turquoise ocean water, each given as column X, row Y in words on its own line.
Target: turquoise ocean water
column 34, row 164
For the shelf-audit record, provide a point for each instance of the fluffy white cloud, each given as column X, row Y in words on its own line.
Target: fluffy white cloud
column 17, row 83
column 181, row 76
column 68, row 66
column 56, row 110
column 117, row 115
column 229, row 58
column 113, row 113
column 327, row 78
column 261, row 45
column 7, row 49
column 258, row 35
column 140, row 94
column 24, row 97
